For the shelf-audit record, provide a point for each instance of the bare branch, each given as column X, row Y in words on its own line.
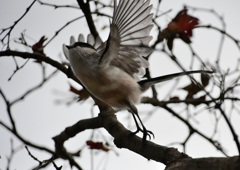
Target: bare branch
column 43, row 58
column 14, row 129
column 235, row 136
column 236, row 41
column 34, row 88
column 8, row 34
column 57, row 6
column 62, row 28
column 192, row 130
column 85, row 6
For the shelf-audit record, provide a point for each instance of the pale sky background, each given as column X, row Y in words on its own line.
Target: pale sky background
column 38, row 118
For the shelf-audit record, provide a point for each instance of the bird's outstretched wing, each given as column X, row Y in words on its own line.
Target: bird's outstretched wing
column 129, row 37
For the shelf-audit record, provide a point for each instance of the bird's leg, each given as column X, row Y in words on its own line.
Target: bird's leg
column 136, row 122
column 146, row 133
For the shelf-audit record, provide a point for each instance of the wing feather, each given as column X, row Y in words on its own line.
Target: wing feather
column 81, row 38
column 137, row 33
column 90, row 39
column 135, row 18
column 129, row 37
column 127, row 12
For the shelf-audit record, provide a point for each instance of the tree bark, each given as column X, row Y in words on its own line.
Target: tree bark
column 230, row 163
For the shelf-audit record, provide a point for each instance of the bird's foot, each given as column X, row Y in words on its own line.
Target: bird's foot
column 146, row 133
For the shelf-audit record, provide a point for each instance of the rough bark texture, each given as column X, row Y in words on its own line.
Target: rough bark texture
column 231, row 163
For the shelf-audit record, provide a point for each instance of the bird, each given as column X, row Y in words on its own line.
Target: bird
column 111, row 71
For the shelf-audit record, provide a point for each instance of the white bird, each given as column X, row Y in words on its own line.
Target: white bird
column 110, row 70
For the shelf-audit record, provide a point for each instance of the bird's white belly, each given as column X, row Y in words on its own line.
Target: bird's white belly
column 112, row 86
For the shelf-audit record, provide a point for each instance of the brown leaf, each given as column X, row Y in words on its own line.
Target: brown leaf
column 180, row 27
column 205, row 79
column 38, row 47
column 192, row 89
column 83, row 93
column 183, row 23
column 97, row 145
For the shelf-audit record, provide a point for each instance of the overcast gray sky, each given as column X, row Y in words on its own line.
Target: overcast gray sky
column 38, row 118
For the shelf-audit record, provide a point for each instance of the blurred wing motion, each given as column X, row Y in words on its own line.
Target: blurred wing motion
column 129, row 37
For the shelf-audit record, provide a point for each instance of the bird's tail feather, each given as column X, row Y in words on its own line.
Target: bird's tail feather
column 145, row 84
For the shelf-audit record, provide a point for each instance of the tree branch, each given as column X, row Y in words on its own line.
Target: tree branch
column 88, row 15
column 54, row 63
column 222, row 32
column 158, row 103
column 123, row 138
column 8, row 34
column 231, row 163
column 235, row 136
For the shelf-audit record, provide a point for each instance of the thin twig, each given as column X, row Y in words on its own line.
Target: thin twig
column 57, row 6
column 8, row 105
column 62, row 28
column 33, row 88
column 236, row 41
column 8, row 34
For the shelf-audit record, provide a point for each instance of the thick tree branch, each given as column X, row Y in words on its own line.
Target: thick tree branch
column 231, row 163
column 73, row 130
column 27, row 55
column 123, row 138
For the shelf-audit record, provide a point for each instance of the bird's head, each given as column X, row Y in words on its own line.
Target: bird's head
column 79, row 49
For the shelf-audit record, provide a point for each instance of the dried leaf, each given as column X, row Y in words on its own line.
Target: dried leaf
column 38, row 48
column 83, row 93
column 97, row 145
column 205, row 79
column 192, row 89
column 180, row 27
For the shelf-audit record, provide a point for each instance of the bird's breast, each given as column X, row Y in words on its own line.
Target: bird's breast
column 111, row 85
